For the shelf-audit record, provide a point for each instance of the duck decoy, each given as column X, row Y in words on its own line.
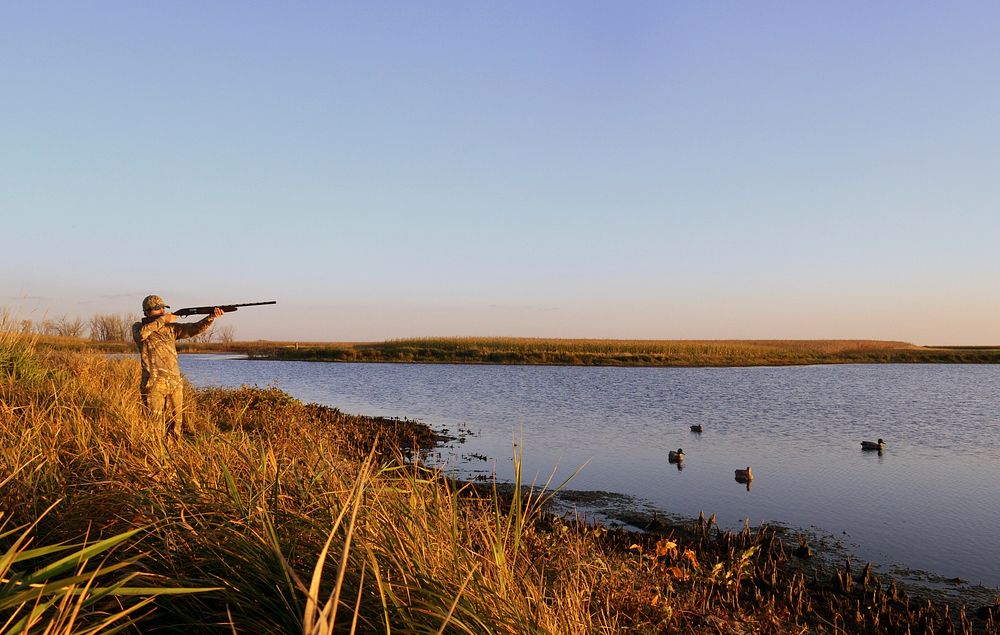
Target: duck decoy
column 868, row 445
column 676, row 457
column 696, row 428
column 744, row 476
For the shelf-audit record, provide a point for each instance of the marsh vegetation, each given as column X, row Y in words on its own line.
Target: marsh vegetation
column 587, row 352
column 278, row 516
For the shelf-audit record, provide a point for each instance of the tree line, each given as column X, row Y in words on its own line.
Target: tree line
column 107, row 327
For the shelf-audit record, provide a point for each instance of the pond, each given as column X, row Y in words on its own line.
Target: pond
column 930, row 501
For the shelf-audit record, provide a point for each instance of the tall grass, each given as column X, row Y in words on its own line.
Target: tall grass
column 48, row 584
column 295, row 518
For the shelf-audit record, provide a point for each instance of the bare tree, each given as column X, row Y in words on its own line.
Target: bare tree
column 107, row 327
column 72, row 327
column 204, row 338
column 63, row 326
column 226, row 334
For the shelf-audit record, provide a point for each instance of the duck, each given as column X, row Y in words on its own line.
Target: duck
column 868, row 445
column 696, row 428
column 676, row 457
column 744, row 476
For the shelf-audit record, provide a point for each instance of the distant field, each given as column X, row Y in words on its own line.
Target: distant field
column 581, row 352
column 508, row 350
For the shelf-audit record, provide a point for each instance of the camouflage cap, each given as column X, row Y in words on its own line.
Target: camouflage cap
column 153, row 302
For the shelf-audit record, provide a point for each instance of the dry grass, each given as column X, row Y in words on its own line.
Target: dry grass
column 298, row 519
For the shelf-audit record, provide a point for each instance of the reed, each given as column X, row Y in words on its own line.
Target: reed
column 277, row 516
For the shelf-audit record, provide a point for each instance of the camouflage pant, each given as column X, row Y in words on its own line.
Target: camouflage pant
column 165, row 405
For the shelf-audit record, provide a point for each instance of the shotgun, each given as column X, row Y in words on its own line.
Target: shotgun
column 208, row 310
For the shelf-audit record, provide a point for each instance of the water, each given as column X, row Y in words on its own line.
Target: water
column 931, row 501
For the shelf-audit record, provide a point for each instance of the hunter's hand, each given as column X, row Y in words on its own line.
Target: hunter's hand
column 217, row 312
column 169, row 318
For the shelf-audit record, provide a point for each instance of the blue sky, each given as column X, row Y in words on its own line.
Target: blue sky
column 559, row 169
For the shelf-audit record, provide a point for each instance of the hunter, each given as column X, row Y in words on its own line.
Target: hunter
column 162, row 387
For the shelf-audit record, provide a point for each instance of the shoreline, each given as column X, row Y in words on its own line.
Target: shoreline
column 625, row 353
column 630, row 513
column 641, row 516
column 636, row 518
column 827, row 550
column 251, row 500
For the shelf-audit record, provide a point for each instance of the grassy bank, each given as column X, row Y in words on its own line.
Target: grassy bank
column 275, row 516
column 624, row 352
column 512, row 350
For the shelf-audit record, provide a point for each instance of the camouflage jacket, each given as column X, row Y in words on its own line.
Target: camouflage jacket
column 157, row 352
